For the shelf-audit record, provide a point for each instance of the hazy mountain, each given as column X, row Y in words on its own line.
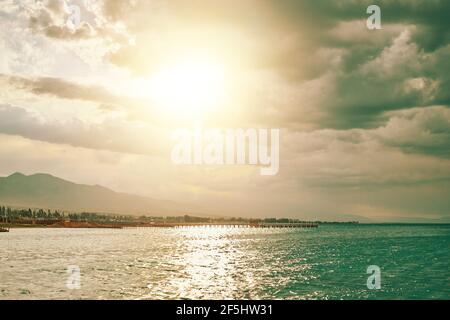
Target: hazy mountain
column 49, row 192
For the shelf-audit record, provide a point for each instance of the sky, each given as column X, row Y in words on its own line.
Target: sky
column 363, row 114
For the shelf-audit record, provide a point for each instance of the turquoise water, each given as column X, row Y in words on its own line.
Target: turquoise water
column 227, row 263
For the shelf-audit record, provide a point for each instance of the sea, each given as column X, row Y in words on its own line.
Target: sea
column 337, row 262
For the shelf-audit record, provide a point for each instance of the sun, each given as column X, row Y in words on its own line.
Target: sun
column 189, row 87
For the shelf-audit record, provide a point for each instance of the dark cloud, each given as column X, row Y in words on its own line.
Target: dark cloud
column 401, row 76
column 418, row 130
column 61, row 88
column 431, row 15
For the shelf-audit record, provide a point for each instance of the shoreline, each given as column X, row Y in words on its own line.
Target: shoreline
column 93, row 225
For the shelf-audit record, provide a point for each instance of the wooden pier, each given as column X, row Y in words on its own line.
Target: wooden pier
column 305, row 224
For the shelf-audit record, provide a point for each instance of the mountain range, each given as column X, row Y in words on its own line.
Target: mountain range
column 49, row 192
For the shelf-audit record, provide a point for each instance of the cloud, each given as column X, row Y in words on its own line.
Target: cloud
column 330, row 160
column 357, row 73
column 402, row 55
column 418, row 130
column 51, row 18
column 60, row 88
column 400, row 76
column 54, row 18
column 132, row 108
column 112, row 134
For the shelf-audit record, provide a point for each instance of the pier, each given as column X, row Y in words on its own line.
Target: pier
column 305, row 224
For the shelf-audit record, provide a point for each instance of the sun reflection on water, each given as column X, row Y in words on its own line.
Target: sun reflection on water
column 211, row 261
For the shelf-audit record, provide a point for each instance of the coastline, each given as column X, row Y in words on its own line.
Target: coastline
column 93, row 225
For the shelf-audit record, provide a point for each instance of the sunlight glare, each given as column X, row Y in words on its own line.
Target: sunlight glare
column 188, row 87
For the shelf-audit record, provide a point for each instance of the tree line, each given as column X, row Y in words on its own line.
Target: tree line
column 11, row 215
